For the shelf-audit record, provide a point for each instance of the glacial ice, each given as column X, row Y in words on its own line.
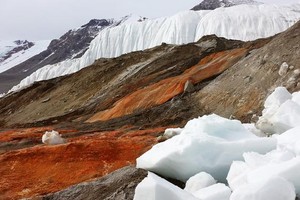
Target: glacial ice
column 210, row 143
column 207, row 144
column 275, row 188
column 199, row 181
column 217, row 191
column 242, row 22
column 155, row 188
column 281, row 112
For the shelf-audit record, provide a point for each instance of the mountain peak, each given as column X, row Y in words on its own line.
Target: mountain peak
column 213, row 4
column 97, row 22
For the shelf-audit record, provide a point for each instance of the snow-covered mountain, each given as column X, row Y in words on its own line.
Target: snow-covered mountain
column 15, row 52
column 72, row 44
column 213, row 4
column 242, row 22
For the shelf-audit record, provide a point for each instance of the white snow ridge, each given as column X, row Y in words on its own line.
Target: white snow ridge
column 242, row 22
column 221, row 159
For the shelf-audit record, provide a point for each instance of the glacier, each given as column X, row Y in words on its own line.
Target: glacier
column 242, row 22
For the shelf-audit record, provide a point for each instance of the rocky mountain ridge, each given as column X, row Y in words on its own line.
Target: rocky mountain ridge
column 214, row 4
column 21, row 45
column 72, row 44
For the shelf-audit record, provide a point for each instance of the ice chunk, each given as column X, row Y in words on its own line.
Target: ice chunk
column 290, row 141
column 275, row 188
column 285, row 117
column 52, row 138
column 276, row 99
column 253, row 129
column 296, row 97
column 207, row 144
column 263, row 167
column 214, row 192
column 199, row 181
column 238, row 173
column 155, row 188
column 281, row 113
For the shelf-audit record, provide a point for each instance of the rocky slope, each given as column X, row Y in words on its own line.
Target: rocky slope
column 113, row 111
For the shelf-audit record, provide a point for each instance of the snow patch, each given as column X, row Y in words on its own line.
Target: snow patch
column 21, row 56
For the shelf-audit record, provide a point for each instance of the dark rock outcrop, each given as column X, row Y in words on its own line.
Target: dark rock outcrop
column 119, row 185
column 213, row 4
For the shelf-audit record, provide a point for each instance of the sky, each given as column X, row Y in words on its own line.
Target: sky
column 49, row 19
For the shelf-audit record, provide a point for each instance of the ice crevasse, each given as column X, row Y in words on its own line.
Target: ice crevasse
column 221, row 159
column 243, row 22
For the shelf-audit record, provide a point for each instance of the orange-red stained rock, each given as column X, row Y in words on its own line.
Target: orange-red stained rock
column 164, row 90
column 44, row 169
column 29, row 133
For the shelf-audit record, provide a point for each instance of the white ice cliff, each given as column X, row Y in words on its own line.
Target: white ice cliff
column 242, row 22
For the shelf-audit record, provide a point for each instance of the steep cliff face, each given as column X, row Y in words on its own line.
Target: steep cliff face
column 114, row 110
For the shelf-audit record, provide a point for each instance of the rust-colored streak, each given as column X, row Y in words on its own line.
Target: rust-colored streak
column 44, row 169
column 164, row 90
column 29, row 133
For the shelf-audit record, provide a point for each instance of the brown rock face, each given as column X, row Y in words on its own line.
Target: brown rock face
column 164, row 90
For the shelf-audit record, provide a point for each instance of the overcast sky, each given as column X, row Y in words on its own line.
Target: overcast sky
column 49, row 19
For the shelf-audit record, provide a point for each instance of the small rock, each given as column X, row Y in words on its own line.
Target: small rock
column 161, row 138
column 188, row 86
column 248, row 79
column 46, row 100
column 291, row 82
column 254, row 118
column 232, row 117
column 283, row 69
column 296, row 72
